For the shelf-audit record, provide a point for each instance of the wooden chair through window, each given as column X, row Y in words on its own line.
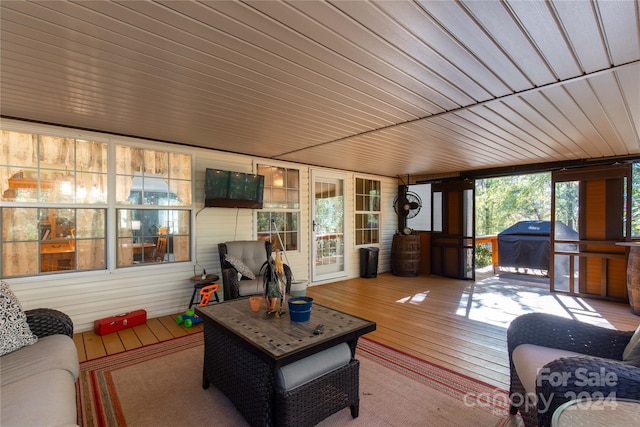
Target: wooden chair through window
column 161, row 246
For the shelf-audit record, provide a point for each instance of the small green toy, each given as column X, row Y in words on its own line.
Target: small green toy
column 189, row 318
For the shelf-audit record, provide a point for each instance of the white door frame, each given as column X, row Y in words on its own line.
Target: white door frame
column 332, row 266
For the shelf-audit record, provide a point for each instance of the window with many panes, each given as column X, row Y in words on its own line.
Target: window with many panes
column 54, row 194
column 278, row 220
column 153, row 195
column 55, row 204
column 367, row 211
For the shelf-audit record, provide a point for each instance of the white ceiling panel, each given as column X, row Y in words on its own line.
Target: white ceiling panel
column 621, row 28
column 435, row 37
column 536, row 20
column 506, row 32
column 600, row 126
column 606, row 88
column 579, row 22
column 419, row 56
column 462, row 27
column 629, row 81
column 391, row 88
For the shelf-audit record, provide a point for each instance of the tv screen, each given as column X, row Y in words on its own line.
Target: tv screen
column 226, row 189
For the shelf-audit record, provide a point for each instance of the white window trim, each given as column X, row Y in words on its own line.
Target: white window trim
column 298, row 210
column 356, row 211
column 111, row 206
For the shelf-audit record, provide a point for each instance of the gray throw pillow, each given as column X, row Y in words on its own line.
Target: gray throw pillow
column 239, row 266
column 14, row 329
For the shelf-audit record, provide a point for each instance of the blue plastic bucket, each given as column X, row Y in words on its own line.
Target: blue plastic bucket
column 300, row 308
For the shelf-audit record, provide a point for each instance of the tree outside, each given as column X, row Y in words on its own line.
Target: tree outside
column 502, row 202
column 635, row 201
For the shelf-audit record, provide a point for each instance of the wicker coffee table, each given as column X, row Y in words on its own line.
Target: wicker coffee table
column 244, row 350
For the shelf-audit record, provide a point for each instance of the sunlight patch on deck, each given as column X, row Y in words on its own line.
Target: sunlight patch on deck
column 416, row 299
column 497, row 301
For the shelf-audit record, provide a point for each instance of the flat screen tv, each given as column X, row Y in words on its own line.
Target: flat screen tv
column 226, row 189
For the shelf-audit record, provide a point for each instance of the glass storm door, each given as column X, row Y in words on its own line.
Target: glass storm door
column 327, row 228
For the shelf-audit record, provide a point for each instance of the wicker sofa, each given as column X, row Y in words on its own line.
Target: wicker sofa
column 554, row 360
column 37, row 381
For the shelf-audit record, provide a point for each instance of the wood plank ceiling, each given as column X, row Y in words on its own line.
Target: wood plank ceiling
column 390, row 88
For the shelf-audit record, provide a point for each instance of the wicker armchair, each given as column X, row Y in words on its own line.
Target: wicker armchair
column 46, row 321
column 254, row 253
column 602, row 349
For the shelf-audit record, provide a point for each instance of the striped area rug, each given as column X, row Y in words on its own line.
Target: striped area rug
column 470, row 392
column 161, row 385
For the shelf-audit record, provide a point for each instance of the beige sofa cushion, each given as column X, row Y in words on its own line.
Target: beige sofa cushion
column 251, row 253
column 250, row 287
column 52, row 352
column 529, row 359
column 40, row 400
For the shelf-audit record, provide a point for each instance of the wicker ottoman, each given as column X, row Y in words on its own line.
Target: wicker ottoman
column 310, row 403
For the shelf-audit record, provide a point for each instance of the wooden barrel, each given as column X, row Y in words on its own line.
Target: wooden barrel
column 405, row 255
column 633, row 279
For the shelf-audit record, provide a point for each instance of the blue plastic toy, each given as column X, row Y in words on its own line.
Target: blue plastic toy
column 189, row 318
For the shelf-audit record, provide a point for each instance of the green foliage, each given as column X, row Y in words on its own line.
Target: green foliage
column 501, row 202
column 567, row 203
column 329, row 214
column 483, row 255
column 635, row 201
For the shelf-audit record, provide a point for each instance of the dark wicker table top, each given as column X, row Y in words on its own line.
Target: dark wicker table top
column 280, row 337
column 210, row 278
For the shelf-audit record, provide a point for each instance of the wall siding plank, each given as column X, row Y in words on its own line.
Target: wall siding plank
column 165, row 289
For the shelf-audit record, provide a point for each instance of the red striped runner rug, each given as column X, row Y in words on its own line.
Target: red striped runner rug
column 471, row 392
column 97, row 398
column 160, row 385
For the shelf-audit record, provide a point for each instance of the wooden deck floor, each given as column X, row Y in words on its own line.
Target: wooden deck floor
column 92, row 346
column 457, row 324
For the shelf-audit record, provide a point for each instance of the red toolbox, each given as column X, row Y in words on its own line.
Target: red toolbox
column 120, row 321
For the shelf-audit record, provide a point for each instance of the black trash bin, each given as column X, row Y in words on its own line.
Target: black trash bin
column 369, row 262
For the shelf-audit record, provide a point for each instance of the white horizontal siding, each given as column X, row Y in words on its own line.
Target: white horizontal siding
column 389, row 223
column 299, row 260
column 160, row 290
column 165, row 289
